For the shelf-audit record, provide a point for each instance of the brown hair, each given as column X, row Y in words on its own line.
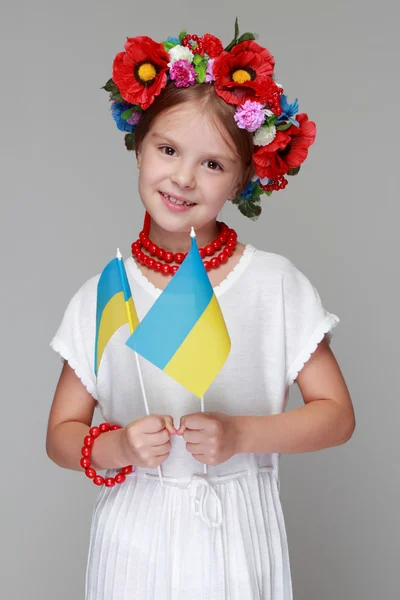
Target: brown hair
column 239, row 140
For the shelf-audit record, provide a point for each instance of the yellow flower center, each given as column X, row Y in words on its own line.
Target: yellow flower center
column 240, row 76
column 147, row 72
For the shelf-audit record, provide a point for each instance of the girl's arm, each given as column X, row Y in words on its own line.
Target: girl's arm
column 326, row 420
column 69, row 422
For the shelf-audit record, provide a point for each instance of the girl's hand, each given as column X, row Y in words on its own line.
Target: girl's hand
column 211, row 437
column 146, row 441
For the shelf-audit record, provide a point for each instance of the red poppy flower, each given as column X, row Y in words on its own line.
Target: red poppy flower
column 287, row 151
column 141, row 71
column 212, row 45
column 245, row 73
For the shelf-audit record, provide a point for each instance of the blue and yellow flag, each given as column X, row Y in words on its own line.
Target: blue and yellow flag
column 184, row 332
column 115, row 306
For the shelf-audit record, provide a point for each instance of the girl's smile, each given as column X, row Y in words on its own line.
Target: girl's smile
column 175, row 204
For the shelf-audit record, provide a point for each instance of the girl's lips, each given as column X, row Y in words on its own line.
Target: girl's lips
column 175, row 207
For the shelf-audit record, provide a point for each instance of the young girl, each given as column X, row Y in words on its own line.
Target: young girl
column 208, row 125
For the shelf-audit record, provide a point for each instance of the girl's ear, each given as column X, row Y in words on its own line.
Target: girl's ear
column 138, row 159
column 235, row 192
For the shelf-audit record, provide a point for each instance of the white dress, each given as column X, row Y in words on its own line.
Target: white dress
column 220, row 536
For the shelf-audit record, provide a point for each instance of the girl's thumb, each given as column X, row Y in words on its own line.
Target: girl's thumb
column 182, row 427
column 169, row 425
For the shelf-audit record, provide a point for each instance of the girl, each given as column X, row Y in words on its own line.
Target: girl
column 207, row 125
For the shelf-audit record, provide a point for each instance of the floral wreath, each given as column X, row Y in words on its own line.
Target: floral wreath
column 242, row 74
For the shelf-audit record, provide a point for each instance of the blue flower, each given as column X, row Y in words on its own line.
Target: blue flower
column 289, row 110
column 173, row 40
column 248, row 191
column 117, row 108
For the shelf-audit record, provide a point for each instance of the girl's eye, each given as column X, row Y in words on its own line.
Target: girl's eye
column 218, row 167
column 215, row 163
column 168, row 148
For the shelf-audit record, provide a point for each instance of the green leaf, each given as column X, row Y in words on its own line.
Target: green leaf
column 243, row 38
column 114, row 91
column 109, row 86
column 236, row 28
column 235, row 37
column 197, row 59
column 268, row 193
column 127, row 114
column 169, row 45
column 130, row 141
column 246, row 36
column 250, row 209
column 182, row 35
column 284, row 127
column 257, row 191
column 270, row 121
column 117, row 96
column 293, row 171
column 201, row 73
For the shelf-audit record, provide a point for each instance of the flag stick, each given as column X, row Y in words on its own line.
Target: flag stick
column 202, row 410
column 146, row 405
column 192, row 235
column 130, row 320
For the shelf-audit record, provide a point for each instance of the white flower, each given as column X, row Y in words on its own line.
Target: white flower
column 262, row 180
column 180, row 53
column 264, row 135
column 268, row 113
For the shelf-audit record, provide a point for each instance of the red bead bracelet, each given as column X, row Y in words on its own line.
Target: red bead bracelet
column 94, row 433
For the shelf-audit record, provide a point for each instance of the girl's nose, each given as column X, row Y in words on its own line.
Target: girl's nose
column 184, row 177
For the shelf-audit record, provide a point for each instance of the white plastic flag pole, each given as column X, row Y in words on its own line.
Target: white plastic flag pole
column 146, row 405
column 192, row 235
column 202, row 410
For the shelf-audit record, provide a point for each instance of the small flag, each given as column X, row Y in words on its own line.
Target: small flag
column 184, row 332
column 115, row 306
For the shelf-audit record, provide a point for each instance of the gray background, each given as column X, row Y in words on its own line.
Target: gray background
column 69, row 197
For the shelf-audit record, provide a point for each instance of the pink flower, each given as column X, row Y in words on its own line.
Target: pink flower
column 250, row 115
column 135, row 118
column 209, row 71
column 183, row 73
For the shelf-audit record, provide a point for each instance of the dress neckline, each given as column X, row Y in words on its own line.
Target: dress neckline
column 225, row 284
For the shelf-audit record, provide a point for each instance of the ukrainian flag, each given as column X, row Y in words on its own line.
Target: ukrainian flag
column 115, row 306
column 184, row 332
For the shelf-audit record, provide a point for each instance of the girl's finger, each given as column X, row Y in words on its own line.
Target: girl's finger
column 193, row 436
column 162, row 449
column 182, row 427
column 161, row 437
column 192, row 421
column 169, row 425
column 193, row 448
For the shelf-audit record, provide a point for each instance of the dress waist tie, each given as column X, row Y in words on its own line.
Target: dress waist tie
column 202, row 492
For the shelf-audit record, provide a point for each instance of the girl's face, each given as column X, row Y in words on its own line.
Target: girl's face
column 184, row 156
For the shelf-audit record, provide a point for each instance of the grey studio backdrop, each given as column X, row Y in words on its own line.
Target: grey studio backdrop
column 69, row 198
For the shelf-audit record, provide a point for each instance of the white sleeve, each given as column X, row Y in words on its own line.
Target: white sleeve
column 75, row 338
column 306, row 321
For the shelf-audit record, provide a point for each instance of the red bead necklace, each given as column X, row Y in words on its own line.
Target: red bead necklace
column 227, row 237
